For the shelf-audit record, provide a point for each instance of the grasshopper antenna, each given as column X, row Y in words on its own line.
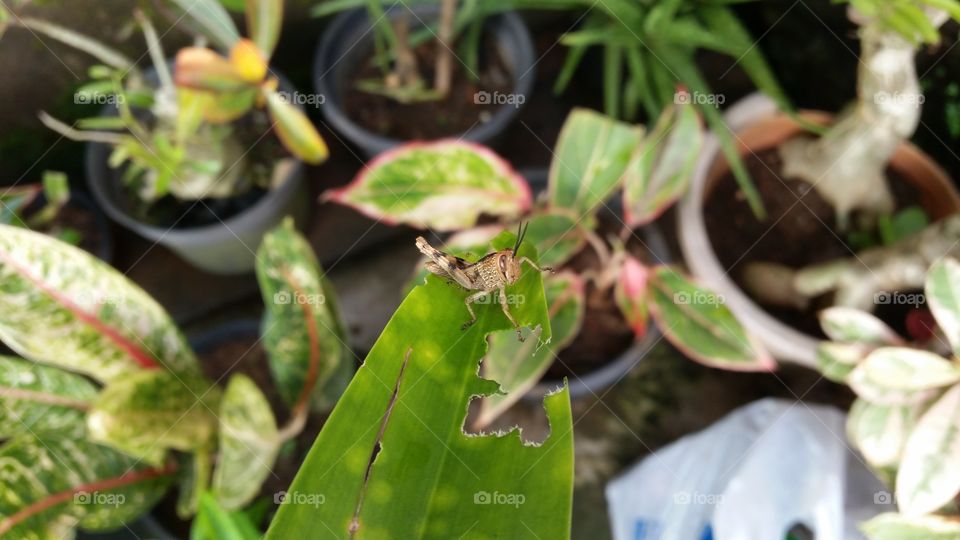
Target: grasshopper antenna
column 521, row 232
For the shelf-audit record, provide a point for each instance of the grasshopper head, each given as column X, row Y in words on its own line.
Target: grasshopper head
column 508, row 265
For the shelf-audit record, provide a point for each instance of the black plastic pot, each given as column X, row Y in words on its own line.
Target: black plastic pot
column 595, row 382
column 348, row 41
column 227, row 247
column 206, row 341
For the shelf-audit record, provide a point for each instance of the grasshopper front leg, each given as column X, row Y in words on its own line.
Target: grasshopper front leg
column 534, row 265
column 473, row 316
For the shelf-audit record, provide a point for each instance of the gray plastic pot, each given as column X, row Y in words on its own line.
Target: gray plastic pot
column 348, row 40
column 228, row 247
column 597, row 381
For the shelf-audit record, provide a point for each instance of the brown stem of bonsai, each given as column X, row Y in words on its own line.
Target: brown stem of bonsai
column 444, row 67
column 405, row 72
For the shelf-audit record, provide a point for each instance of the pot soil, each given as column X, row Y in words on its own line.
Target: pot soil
column 80, row 216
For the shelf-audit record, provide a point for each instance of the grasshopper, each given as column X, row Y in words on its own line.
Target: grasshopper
column 491, row 273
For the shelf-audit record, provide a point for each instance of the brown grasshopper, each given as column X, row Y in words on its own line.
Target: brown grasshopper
column 491, row 273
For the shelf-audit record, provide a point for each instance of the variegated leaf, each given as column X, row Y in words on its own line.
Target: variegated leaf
column 53, row 485
column 445, row 185
column 248, row 443
column 929, row 473
column 60, row 305
column 853, row 325
column 150, row 412
column 943, row 296
column 660, row 169
column 556, row 234
column 880, row 431
column 891, row 526
column 302, row 332
column 41, row 399
column 592, row 154
column 697, row 321
column 892, row 375
column 837, row 360
column 631, row 295
column 518, row 366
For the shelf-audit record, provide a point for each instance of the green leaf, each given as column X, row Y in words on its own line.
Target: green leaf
column 880, row 431
column 406, row 406
column 631, row 295
column 60, row 305
column 147, row 413
column 892, row 526
column 943, row 296
column 929, row 473
column 302, row 333
column 445, row 185
column 592, row 154
column 248, row 443
column 518, row 366
column 94, row 48
column 41, row 399
column 557, row 235
column 199, row 68
column 660, row 169
column 213, row 522
column 837, row 360
column 892, row 375
column 50, row 486
column 264, row 22
column 295, row 130
column 697, row 321
column 851, row 325
column 904, row 223
column 214, row 19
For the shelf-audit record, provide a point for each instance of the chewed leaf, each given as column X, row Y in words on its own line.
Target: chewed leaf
column 660, row 169
column 631, row 295
column 444, row 185
column 943, row 294
column 518, row 366
column 697, row 321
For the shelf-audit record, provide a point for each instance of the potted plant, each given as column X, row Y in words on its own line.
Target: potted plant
column 904, row 420
column 821, row 194
column 106, row 406
column 181, row 158
column 51, row 208
column 606, row 282
column 426, row 71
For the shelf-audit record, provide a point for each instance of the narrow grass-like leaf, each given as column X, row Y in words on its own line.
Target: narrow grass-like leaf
column 214, row 19
column 295, row 130
column 264, row 21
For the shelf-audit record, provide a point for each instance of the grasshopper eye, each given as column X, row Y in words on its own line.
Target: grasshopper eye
column 502, row 261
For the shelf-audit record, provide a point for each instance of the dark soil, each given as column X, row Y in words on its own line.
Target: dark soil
column 795, row 234
column 432, row 119
column 80, row 220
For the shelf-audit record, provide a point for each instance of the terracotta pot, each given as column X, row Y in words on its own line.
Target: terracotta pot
column 759, row 126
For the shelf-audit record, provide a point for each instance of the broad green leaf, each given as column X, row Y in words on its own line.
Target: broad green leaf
column 630, row 293
column 248, row 443
column 592, row 154
column 943, row 296
column 50, row 486
column 851, row 325
column 195, row 479
column 302, row 333
column 214, row 19
column 406, row 406
column 60, row 305
column 518, row 366
column 892, row 526
column 41, row 399
column 264, row 22
column 697, row 322
column 556, row 234
column 929, row 474
column 295, row 130
column 659, row 171
column 891, row 375
column 445, row 185
column 213, row 522
column 199, row 68
column 880, row 431
column 147, row 413
column 837, row 360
